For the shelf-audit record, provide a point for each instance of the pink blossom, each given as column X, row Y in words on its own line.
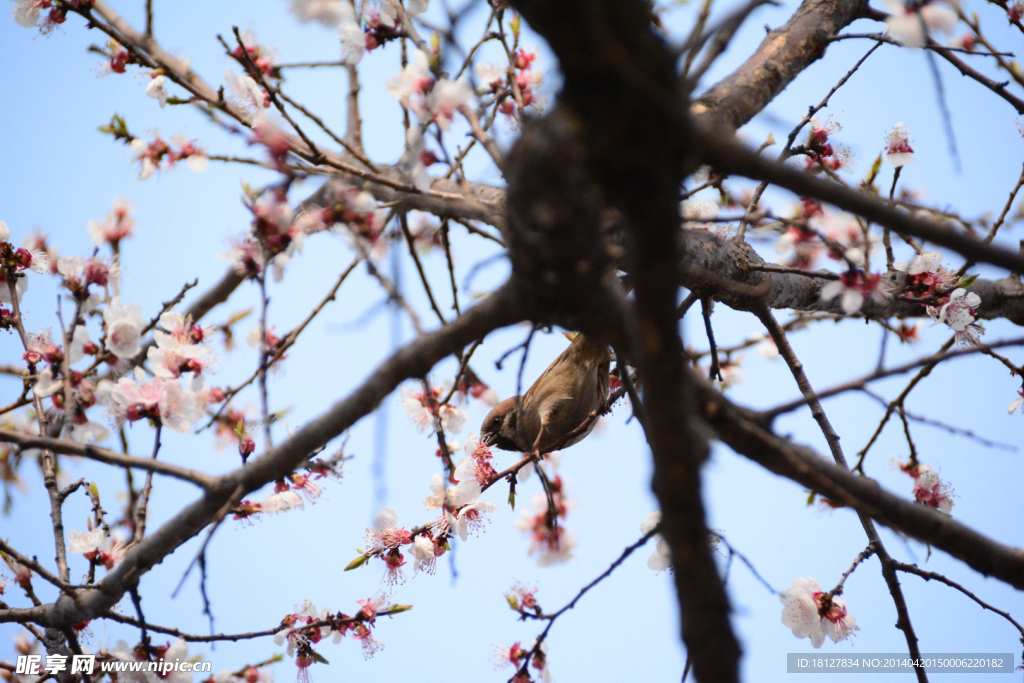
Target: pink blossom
column 353, row 39
column 522, row 598
column 491, row 76
column 853, row 287
column 325, row 12
column 281, row 501
column 40, row 347
column 425, row 552
column 508, row 656
column 149, row 154
column 367, row 640
column 960, row 315
column 124, row 324
column 386, row 534
column 910, row 23
column 661, row 558
column 86, row 542
column 481, row 455
column 898, row 151
column 157, row 89
column 929, row 488
column 446, row 98
column 413, row 81
column 27, row 12
column 247, row 94
column 552, row 543
column 135, row 398
column 423, row 409
column 246, row 255
column 811, row 613
column 117, row 225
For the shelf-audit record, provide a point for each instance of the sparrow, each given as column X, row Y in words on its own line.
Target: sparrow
column 573, row 386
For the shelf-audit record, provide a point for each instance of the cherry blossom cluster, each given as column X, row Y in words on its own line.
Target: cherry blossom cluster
column 550, row 541
column 911, row 23
column 821, row 153
column 157, row 155
column 14, row 261
column 118, row 60
column 929, row 489
column 426, row 410
column 462, row 514
column 661, row 558
column 287, row 490
column 812, row 613
column 247, row 94
column 898, row 151
column 959, row 311
column 264, row 58
column 97, row 546
column 21, row 574
column 816, row 230
column 430, row 99
column 497, row 81
column 272, row 237
column 174, row 396
column 118, row 224
column 32, row 13
column 1015, row 11
column 523, row 599
column 378, row 23
column 307, row 627
column 161, row 401
column 926, row 278
column 469, row 385
column 516, row 656
column 353, row 213
column 804, row 244
column 854, row 287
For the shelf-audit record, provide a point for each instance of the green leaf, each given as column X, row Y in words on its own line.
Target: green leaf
column 967, row 281
column 876, row 166
column 358, row 562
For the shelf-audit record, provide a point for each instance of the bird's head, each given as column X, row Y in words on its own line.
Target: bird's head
column 500, row 427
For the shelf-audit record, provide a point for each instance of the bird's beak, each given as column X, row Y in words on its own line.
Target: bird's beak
column 489, row 439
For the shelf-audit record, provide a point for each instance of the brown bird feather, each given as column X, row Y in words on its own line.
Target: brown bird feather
column 572, row 387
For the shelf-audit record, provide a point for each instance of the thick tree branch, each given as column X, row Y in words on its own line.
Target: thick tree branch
column 782, row 56
column 745, row 433
column 106, row 456
column 728, row 156
column 622, row 91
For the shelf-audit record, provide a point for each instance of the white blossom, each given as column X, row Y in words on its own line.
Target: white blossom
column 157, row 90
column 124, row 328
